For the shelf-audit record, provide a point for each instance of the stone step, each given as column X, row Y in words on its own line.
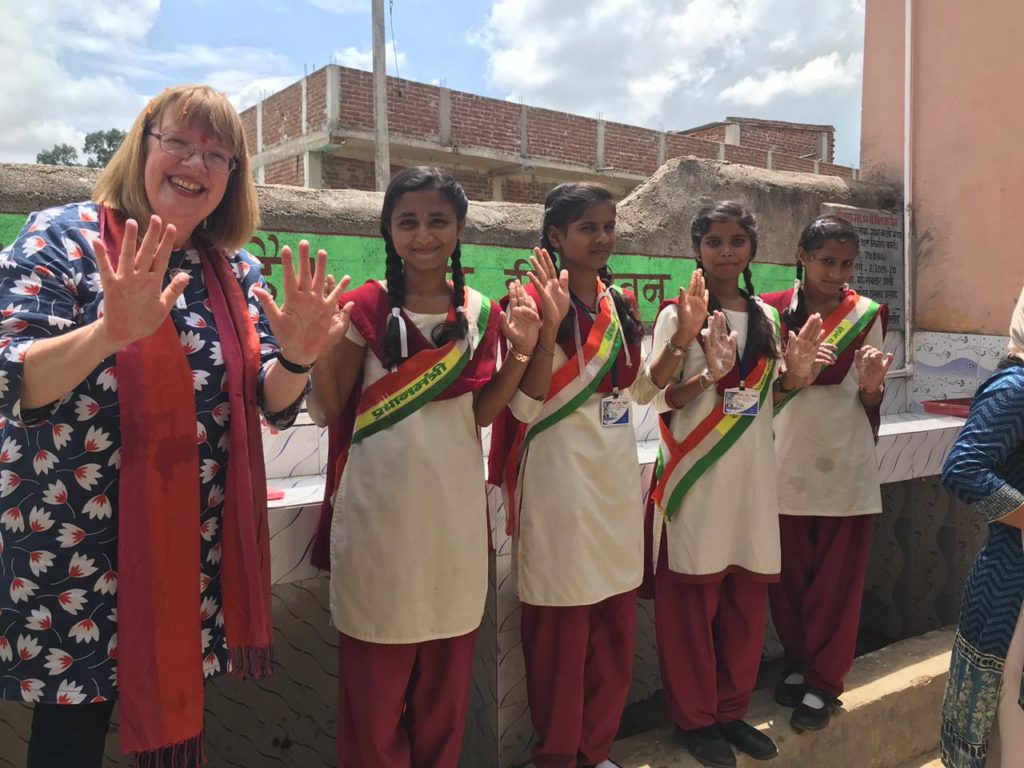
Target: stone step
column 890, row 717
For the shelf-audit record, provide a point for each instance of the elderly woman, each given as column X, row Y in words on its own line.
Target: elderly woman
column 983, row 711
column 134, row 556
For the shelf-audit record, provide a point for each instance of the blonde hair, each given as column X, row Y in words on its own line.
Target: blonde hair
column 122, row 185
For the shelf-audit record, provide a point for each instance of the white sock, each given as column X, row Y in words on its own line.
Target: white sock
column 794, row 678
column 813, row 700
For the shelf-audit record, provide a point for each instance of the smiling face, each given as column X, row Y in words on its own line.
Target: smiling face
column 725, row 250
column 828, row 268
column 181, row 191
column 588, row 242
column 425, row 229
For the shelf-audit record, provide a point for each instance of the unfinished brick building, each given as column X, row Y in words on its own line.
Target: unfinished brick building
column 318, row 132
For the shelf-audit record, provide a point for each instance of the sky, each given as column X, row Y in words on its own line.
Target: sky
column 668, row 64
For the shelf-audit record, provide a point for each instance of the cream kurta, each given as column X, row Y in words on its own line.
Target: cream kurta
column 409, row 535
column 729, row 519
column 580, row 534
column 825, row 451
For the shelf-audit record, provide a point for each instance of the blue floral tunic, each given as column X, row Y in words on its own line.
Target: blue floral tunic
column 59, row 465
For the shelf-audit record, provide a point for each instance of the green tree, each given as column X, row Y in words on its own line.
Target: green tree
column 61, row 154
column 100, row 146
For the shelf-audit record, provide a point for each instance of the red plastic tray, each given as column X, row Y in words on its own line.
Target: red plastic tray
column 956, row 406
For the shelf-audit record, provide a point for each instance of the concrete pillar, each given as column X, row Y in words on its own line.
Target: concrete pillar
column 662, row 148
column 305, row 120
column 817, row 166
column 823, row 146
column 333, row 95
column 599, row 163
column 770, row 162
column 524, row 146
column 498, row 188
column 444, row 107
column 313, row 170
column 721, row 150
column 259, row 127
column 732, row 134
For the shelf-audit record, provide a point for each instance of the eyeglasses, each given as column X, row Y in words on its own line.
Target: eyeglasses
column 216, row 161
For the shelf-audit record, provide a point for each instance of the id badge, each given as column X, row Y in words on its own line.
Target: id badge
column 615, row 411
column 741, row 402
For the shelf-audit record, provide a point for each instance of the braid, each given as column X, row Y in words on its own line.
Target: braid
column 760, row 334
column 395, row 274
column 459, row 328
column 631, row 324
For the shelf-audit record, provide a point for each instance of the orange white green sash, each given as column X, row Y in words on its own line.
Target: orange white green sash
column 681, row 464
column 571, row 385
column 420, row 378
column 842, row 327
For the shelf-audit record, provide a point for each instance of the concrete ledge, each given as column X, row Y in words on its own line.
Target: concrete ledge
column 890, row 716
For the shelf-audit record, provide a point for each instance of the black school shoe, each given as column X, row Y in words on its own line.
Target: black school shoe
column 789, row 694
column 708, row 746
column 748, row 740
column 807, row 718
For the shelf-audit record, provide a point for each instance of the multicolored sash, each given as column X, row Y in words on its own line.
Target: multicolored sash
column 681, row 464
column 420, row 378
column 571, row 385
column 843, row 327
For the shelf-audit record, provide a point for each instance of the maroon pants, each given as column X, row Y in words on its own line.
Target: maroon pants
column 402, row 706
column 579, row 665
column 710, row 639
column 816, row 605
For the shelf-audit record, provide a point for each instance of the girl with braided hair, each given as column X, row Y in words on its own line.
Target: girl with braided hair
column 827, row 474
column 714, row 527
column 405, row 393
column 577, row 557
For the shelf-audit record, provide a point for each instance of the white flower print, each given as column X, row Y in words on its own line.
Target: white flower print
column 12, row 519
column 43, row 462
column 85, row 631
column 32, row 689
column 28, row 647
column 22, row 589
column 40, row 619
column 39, row 562
column 70, row 693
column 98, row 507
column 58, row 661
column 81, row 566
column 72, row 600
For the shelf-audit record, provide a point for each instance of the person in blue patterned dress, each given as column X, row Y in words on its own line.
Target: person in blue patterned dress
column 132, row 370
column 983, row 709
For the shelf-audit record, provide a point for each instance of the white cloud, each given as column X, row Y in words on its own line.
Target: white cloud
column 673, row 62
column 359, row 58
column 342, row 6
column 820, row 74
column 79, row 72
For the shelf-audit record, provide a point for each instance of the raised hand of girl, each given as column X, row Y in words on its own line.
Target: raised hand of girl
column 719, row 347
column 521, row 323
column 134, row 301
column 872, row 367
column 552, row 286
column 310, row 316
column 802, row 350
column 692, row 309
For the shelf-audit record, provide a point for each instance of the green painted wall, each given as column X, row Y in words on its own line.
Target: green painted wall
column 488, row 267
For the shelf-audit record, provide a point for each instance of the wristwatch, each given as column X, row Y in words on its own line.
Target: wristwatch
column 673, row 349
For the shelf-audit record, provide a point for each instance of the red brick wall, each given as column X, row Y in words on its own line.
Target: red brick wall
column 781, row 162
column 316, row 100
column 413, row 109
column 356, row 98
column 780, row 137
column 561, row 136
column 628, row 148
column 249, row 129
column 828, row 169
column 527, row 190
column 746, row 155
column 289, row 171
column 683, row 146
column 485, row 123
column 282, row 116
column 715, row 133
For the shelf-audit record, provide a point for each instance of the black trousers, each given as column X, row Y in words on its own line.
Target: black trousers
column 68, row 736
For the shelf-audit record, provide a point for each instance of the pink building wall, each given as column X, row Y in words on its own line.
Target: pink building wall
column 968, row 157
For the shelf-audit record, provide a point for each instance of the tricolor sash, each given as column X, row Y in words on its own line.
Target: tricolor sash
column 430, row 373
column 420, row 378
column 681, row 464
column 844, row 326
column 571, row 385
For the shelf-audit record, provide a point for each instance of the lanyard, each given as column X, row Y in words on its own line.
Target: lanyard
column 581, row 307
